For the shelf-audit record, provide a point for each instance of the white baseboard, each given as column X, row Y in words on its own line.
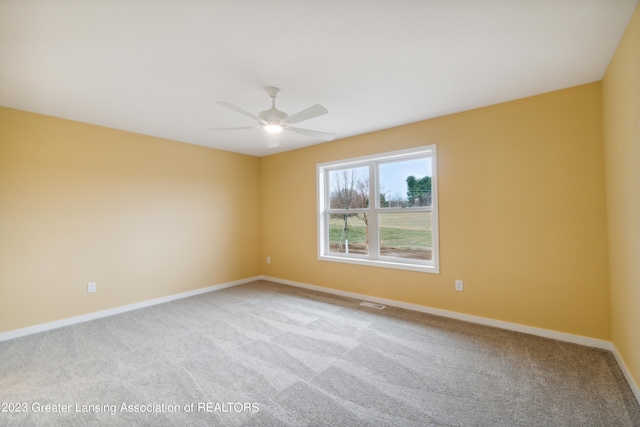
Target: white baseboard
column 560, row 336
column 627, row 374
column 116, row 310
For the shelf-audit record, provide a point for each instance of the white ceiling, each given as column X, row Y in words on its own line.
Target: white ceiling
column 157, row 67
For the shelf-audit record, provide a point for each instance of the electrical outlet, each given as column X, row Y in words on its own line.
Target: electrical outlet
column 459, row 285
column 268, row 260
column 91, row 287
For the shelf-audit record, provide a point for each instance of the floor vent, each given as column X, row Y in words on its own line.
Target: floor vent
column 372, row 305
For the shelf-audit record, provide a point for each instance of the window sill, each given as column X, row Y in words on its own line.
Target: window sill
column 423, row 268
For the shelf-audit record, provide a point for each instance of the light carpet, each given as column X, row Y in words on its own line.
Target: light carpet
column 265, row 354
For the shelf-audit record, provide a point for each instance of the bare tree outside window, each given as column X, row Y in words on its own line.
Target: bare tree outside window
column 350, row 190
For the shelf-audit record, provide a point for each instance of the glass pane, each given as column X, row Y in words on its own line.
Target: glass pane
column 349, row 233
column 406, row 235
column 349, row 188
column 405, row 183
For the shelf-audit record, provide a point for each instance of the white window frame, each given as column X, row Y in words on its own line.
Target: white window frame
column 374, row 258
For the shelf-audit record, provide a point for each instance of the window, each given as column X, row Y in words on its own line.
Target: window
column 380, row 210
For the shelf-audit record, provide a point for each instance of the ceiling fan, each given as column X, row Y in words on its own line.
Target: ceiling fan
column 274, row 121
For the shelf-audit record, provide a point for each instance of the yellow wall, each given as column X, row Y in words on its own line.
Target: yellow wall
column 141, row 216
column 621, row 112
column 522, row 214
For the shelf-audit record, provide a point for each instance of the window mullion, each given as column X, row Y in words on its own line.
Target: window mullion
column 374, row 240
column 326, row 214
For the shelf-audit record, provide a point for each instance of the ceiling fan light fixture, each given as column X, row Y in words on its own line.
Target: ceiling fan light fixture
column 271, row 128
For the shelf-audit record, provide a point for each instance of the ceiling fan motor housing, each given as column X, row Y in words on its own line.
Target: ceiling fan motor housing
column 274, row 116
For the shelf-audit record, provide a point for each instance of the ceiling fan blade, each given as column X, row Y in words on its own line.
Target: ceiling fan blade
column 309, row 113
column 240, row 128
column 312, row 133
column 241, row 111
column 272, row 141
